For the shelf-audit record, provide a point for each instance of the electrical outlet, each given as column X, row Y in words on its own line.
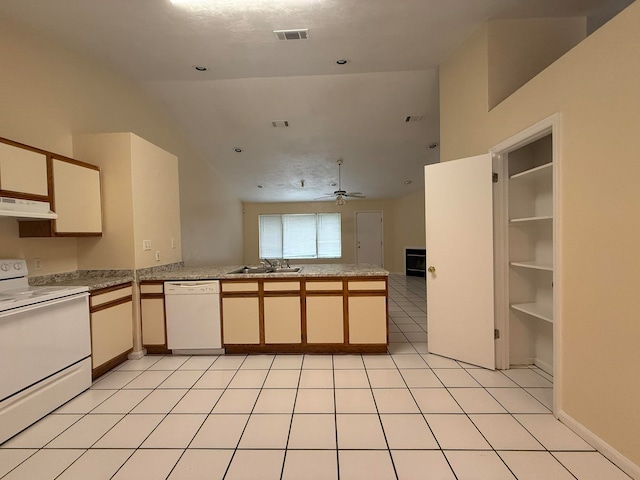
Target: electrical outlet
column 37, row 264
column 146, row 244
column 157, row 255
column 173, row 243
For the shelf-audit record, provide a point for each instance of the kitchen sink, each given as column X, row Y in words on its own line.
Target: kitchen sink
column 258, row 270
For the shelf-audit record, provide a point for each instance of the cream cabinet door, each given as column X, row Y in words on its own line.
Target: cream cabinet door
column 23, row 171
column 153, row 323
column 241, row 320
column 111, row 333
column 325, row 319
column 368, row 320
column 282, row 320
column 76, row 198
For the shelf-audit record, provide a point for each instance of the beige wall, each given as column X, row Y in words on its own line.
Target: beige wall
column 49, row 95
column 403, row 223
column 596, row 90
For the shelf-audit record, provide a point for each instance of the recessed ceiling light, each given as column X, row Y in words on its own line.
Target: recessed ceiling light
column 260, row 186
column 342, row 61
column 237, row 150
column 408, row 182
column 200, row 68
column 433, row 145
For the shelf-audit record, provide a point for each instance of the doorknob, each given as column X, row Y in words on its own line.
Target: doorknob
column 431, row 269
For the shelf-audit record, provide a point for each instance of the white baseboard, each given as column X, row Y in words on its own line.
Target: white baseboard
column 603, row 447
column 546, row 367
column 137, row 355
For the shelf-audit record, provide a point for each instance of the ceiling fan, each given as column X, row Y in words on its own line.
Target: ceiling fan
column 341, row 194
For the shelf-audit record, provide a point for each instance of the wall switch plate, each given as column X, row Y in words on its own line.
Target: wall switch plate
column 173, row 243
column 157, row 255
column 146, row 244
column 37, row 263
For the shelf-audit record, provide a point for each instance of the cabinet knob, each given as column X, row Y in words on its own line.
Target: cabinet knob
column 431, row 269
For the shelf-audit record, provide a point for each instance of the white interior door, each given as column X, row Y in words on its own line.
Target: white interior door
column 369, row 238
column 459, row 225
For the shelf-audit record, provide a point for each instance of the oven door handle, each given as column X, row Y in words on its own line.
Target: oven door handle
column 46, row 303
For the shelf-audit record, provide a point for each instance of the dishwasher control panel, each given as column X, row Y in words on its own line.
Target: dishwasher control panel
column 192, row 287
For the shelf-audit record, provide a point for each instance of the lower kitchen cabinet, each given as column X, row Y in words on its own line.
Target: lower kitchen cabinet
column 325, row 319
column 241, row 320
column 367, row 320
column 282, row 320
column 111, row 327
column 154, row 328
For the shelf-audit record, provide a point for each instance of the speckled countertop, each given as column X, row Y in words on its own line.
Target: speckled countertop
column 318, row 270
column 93, row 279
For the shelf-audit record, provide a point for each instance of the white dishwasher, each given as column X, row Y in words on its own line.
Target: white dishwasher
column 193, row 316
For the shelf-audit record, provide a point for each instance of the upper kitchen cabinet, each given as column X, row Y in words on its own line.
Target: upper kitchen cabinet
column 23, row 172
column 75, row 197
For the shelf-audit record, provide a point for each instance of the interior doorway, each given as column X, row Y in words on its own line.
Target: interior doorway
column 369, row 238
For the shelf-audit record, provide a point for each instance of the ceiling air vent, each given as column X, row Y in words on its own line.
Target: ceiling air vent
column 280, row 123
column 414, row 118
column 296, row 34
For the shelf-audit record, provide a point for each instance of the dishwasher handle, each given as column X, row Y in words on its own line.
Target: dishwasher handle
column 192, row 287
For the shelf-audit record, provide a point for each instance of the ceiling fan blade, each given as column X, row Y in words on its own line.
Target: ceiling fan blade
column 355, row 195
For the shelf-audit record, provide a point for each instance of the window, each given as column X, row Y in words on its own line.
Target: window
column 306, row 235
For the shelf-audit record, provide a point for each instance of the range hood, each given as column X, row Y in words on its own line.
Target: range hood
column 26, row 209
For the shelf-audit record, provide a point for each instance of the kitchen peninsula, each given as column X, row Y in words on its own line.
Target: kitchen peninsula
column 324, row 308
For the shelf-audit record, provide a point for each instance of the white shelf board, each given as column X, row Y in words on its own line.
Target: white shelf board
column 530, row 219
column 534, row 173
column 534, row 265
column 543, row 312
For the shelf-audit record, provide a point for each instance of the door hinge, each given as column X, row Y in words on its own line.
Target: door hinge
column 496, row 334
column 494, row 177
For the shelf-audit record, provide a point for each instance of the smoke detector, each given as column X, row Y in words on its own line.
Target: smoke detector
column 295, row 34
column 280, row 123
column 414, row 118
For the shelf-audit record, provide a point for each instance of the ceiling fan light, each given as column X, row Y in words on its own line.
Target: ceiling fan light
column 340, row 201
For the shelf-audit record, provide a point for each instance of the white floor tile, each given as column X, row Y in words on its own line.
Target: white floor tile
column 320, row 400
column 256, row 465
column 257, row 362
column 182, row 379
column 237, row 401
column 175, row 431
column 455, row 378
column 198, row 401
column 160, row 401
column 266, row 431
column 516, row 400
column 316, row 378
column 420, row 377
column 420, row 347
column 199, row 362
column 394, row 401
column 85, row 432
column 123, row 401
column 590, row 466
column 503, row 432
column 401, row 348
column 386, row 379
column 169, row 362
column 310, row 465
column 535, row 465
column 287, row 362
column 42, row 432
column 551, row 433
column 351, row 378
column 398, row 337
column 148, row 464
column 11, row 458
column 414, row 465
column 201, row 465
column 139, row 364
column 526, row 377
column 114, row 380
column 436, row 361
column 44, row 465
column 276, row 400
column 347, row 362
column 317, row 362
column 355, row 401
column 220, row 431
column 248, row 379
column 215, row 379
column 282, row 378
column 228, row 362
column 407, row 432
column 470, row 465
column 148, row 380
column 96, row 465
column 86, row 401
column 476, row 400
column 378, row 361
column 359, row 432
column 435, row 400
column 456, row 432
column 491, row 378
column 372, row 465
column 312, row 432
column 129, row 432
column 543, row 395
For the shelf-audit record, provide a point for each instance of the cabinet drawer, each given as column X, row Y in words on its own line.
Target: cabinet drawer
column 151, row 288
column 102, row 298
column 239, row 286
column 281, row 286
column 367, row 285
column 323, row 286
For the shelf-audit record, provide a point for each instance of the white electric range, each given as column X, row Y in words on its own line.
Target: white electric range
column 45, row 347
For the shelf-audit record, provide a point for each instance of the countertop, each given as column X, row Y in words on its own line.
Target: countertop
column 93, row 279
column 315, row 270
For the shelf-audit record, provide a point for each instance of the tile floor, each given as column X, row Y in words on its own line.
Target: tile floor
column 406, row 415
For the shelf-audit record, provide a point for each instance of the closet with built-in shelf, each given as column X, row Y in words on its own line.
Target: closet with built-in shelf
column 530, row 240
